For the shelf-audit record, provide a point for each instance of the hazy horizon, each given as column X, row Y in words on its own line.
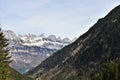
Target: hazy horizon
column 65, row 18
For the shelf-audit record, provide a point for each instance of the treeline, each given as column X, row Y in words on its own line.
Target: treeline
column 110, row 71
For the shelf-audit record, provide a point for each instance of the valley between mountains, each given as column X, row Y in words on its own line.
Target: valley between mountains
column 95, row 55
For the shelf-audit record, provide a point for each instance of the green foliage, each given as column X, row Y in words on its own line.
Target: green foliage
column 111, row 71
column 7, row 73
column 14, row 75
column 73, row 78
column 4, row 59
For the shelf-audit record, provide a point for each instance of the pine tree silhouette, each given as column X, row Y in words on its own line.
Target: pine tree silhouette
column 4, row 58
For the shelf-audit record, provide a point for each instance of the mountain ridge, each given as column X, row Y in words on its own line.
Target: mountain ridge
column 81, row 59
column 24, row 49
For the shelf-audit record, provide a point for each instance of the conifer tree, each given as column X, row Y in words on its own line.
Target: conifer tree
column 4, row 58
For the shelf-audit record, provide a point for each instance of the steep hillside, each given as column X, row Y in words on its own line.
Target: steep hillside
column 17, row 76
column 89, row 54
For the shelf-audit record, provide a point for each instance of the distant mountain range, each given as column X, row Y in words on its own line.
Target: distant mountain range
column 93, row 56
column 29, row 50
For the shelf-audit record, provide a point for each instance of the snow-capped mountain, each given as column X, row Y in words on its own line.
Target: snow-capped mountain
column 29, row 50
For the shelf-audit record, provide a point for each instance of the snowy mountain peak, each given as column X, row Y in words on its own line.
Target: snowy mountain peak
column 29, row 50
column 10, row 34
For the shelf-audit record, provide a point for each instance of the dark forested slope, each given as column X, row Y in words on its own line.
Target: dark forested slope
column 91, row 57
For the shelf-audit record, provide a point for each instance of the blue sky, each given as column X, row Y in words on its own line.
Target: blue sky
column 65, row 18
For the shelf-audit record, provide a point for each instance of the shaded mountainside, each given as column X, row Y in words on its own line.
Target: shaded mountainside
column 14, row 75
column 90, row 54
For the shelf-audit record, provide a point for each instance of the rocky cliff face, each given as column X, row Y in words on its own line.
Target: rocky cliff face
column 29, row 50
